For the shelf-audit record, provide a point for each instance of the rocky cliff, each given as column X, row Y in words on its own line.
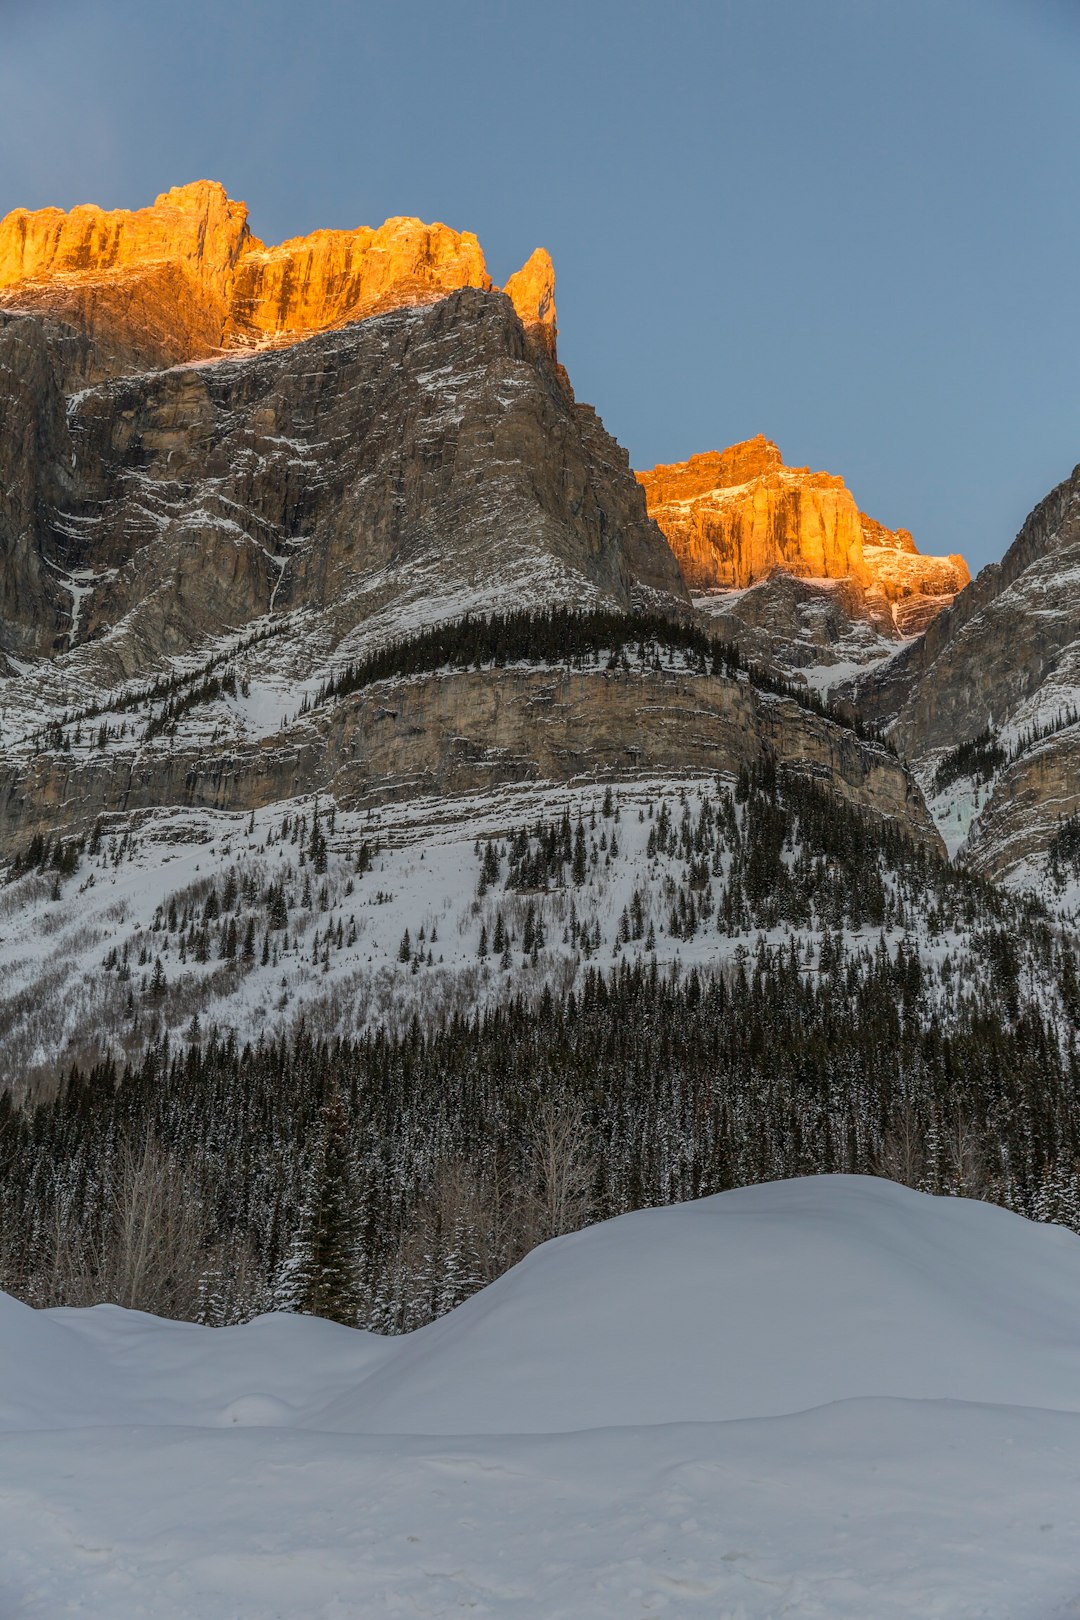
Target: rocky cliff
column 463, row 733
column 1003, row 662
column 185, row 279
column 419, row 463
column 808, row 630
column 229, row 472
column 734, row 516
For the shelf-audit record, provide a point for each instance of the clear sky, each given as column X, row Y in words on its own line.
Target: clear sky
column 853, row 225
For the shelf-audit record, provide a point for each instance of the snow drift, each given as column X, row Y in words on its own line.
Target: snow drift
column 819, row 1397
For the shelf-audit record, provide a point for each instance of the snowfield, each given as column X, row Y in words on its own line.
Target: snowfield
column 817, row 1398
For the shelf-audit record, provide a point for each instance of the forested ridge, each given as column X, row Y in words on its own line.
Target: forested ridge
column 571, row 636
column 383, row 1178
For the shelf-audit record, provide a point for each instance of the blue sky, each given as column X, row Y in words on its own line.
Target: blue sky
column 850, row 224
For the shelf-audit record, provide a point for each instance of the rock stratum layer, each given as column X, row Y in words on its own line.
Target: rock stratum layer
column 733, row 516
column 465, row 733
column 185, row 279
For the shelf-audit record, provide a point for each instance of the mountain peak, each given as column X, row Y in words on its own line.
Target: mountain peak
column 733, row 516
column 185, row 279
column 711, row 470
column 531, row 290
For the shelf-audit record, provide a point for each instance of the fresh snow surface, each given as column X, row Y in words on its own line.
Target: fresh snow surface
column 817, row 1398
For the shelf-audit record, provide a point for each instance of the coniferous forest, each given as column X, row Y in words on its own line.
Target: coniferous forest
column 382, row 1179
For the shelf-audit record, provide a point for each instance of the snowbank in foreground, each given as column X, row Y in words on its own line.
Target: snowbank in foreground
column 829, row 1397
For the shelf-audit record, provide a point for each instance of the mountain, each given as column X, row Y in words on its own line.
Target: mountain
column 741, row 521
column 185, row 279
column 423, row 447
column 733, row 516
column 243, row 487
column 987, row 704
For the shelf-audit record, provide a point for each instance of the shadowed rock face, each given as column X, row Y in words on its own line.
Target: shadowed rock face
column 1004, row 656
column 733, row 516
column 148, row 512
column 376, row 411
column 793, row 625
column 185, row 279
column 997, row 643
column 467, row 732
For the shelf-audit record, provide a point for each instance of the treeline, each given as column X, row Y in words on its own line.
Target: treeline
column 981, row 757
column 208, row 691
column 978, row 759
column 777, row 851
column 565, row 636
column 382, row 1180
column 170, row 690
column 48, row 854
column 904, row 1017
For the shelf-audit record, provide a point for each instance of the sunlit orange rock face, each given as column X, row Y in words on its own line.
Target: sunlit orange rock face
column 733, row 516
column 532, row 293
column 185, row 279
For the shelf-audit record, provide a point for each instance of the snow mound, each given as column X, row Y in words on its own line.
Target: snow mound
column 753, row 1303
column 829, row 1397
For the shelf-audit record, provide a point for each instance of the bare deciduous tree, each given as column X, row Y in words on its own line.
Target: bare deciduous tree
column 559, row 1171
column 152, row 1257
column 903, row 1152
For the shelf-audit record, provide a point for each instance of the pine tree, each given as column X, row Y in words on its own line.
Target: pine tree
column 321, row 1273
column 277, row 908
column 578, row 865
column 489, row 870
column 317, row 847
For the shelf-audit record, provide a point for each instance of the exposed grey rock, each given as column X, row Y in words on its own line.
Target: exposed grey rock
column 1005, row 657
column 196, row 499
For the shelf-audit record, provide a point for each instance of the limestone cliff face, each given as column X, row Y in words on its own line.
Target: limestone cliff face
column 459, row 733
column 532, row 292
column 150, row 287
column 185, row 279
column 197, row 227
column 318, row 282
column 733, row 516
column 433, row 454
column 998, row 645
column 799, row 629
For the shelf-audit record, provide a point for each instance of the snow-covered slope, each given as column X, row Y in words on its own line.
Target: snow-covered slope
column 1000, row 668
column 79, row 953
column 815, row 1398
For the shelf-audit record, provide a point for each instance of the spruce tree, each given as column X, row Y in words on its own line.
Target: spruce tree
column 321, row 1273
